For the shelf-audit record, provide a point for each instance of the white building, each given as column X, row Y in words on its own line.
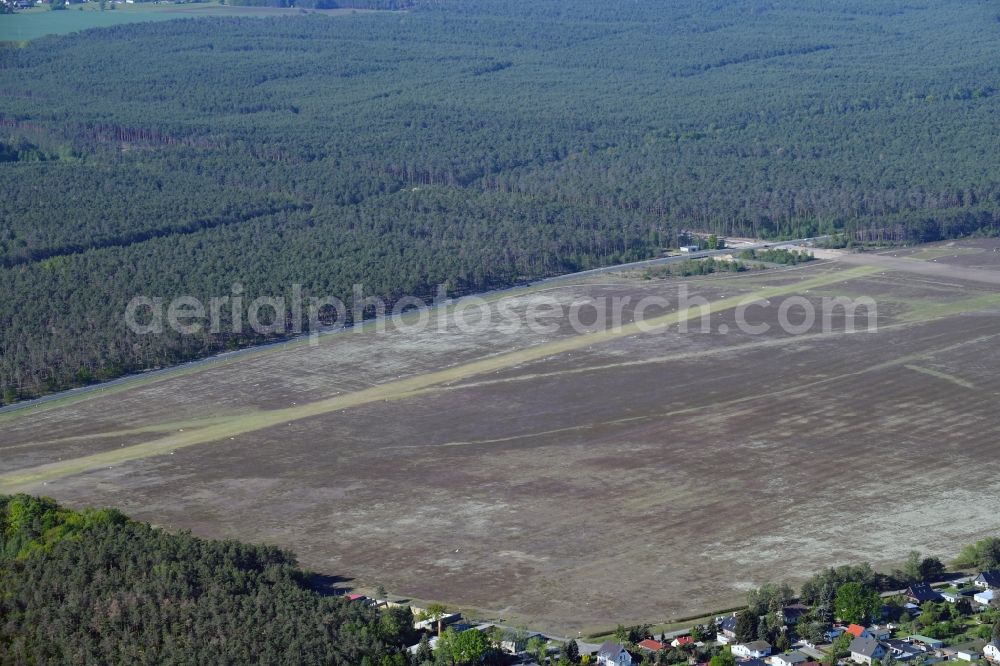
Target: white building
column 613, row 654
column 793, row 658
column 752, row 650
column 988, row 579
column 866, row 650
column 986, row 597
column 967, row 654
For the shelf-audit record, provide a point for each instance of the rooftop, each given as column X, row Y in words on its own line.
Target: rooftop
column 991, row 577
column 865, row 646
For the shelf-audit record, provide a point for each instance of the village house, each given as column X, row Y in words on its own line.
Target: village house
column 810, row 651
column 752, row 662
column 951, row 595
column 613, row 654
column 858, row 631
column 752, row 650
column 833, row 634
column 901, row 650
column 880, row 633
column 992, row 652
column 727, row 630
column 681, row 641
column 793, row 658
column 866, row 650
column 988, row 579
column 792, row 612
column 650, row 645
column 920, row 593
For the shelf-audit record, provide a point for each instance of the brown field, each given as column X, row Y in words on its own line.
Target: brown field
column 576, row 481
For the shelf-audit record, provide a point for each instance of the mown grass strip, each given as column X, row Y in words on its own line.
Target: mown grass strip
column 395, row 390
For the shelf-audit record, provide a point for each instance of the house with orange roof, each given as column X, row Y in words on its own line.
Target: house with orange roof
column 858, row 631
column 651, row 645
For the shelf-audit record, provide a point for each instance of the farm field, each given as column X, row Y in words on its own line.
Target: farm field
column 577, row 480
column 34, row 23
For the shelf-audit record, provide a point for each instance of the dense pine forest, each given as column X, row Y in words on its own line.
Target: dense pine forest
column 474, row 143
column 94, row 587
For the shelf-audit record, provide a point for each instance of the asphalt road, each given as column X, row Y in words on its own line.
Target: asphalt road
column 225, row 356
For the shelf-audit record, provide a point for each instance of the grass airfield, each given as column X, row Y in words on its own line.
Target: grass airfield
column 576, row 480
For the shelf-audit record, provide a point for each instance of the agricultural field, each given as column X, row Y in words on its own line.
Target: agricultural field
column 574, row 479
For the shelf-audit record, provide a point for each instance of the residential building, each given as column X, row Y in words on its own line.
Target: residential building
column 792, row 612
column 793, row 658
column 988, row 579
column 752, row 650
column 651, row 646
column 833, row 634
column 681, row 641
column 811, row 651
column 992, row 652
column 920, row 593
column 879, row 633
column 727, row 630
column 865, row 650
column 752, row 662
column 613, row 654
column 901, row 650
column 858, row 631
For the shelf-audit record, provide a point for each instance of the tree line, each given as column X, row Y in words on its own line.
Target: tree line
column 480, row 144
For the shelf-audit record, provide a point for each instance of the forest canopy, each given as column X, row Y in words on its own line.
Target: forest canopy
column 474, row 143
column 94, row 586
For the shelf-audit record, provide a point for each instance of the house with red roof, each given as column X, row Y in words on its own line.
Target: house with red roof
column 651, row 645
column 858, row 631
column 681, row 641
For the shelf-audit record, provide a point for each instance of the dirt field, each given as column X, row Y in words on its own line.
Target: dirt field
column 571, row 480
